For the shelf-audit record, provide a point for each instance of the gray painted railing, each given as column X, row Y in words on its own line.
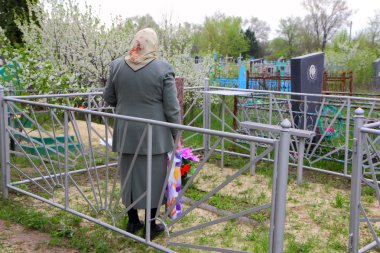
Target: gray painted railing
column 357, row 142
column 58, row 151
column 366, row 157
column 331, row 119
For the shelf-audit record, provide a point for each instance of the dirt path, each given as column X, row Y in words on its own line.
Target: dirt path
column 14, row 238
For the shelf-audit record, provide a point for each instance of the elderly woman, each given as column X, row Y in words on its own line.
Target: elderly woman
column 140, row 85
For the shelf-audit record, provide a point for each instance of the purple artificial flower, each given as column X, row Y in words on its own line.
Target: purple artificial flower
column 178, row 205
column 179, row 158
column 187, row 153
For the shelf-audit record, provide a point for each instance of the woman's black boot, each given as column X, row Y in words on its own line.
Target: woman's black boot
column 134, row 223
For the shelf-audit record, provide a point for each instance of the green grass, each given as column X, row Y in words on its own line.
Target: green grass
column 301, row 247
column 69, row 231
column 232, row 204
column 29, row 218
column 259, row 239
column 340, row 201
column 65, row 229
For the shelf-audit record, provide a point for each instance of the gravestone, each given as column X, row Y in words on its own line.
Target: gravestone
column 307, row 77
column 376, row 69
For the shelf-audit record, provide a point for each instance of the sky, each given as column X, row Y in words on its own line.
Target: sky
column 195, row 11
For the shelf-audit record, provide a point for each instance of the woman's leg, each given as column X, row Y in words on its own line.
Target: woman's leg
column 152, row 215
column 156, row 229
column 134, row 223
column 133, row 216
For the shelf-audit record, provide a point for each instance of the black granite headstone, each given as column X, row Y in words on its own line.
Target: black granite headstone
column 376, row 69
column 307, row 77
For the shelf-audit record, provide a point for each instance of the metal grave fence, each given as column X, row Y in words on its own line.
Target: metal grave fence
column 365, row 172
column 56, row 155
column 61, row 155
column 329, row 116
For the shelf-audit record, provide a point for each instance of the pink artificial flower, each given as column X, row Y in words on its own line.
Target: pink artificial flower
column 187, row 153
column 330, row 130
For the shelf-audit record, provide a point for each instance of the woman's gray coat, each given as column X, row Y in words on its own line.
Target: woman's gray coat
column 146, row 93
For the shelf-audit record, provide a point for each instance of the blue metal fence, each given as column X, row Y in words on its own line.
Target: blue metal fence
column 257, row 84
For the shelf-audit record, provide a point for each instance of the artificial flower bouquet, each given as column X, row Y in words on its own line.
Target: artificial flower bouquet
column 180, row 172
column 188, row 160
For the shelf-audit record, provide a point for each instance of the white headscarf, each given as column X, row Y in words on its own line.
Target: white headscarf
column 144, row 49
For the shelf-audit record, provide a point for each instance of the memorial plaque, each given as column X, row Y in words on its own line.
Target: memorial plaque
column 307, row 77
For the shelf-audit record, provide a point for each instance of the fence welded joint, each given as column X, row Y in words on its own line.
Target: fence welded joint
column 369, row 128
column 147, row 121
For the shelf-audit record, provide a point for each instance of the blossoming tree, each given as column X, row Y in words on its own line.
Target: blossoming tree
column 67, row 48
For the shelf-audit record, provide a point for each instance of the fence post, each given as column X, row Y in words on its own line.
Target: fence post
column 281, row 186
column 356, row 178
column 324, row 84
column 66, row 159
column 206, row 115
column 247, row 80
column 235, row 112
column 301, row 151
column 350, row 81
column 343, row 82
column 4, row 143
column 149, row 185
column 252, row 148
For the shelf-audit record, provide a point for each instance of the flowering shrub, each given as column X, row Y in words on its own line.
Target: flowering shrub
column 69, row 50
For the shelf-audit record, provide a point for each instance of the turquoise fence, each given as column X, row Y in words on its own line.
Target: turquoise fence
column 257, row 84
